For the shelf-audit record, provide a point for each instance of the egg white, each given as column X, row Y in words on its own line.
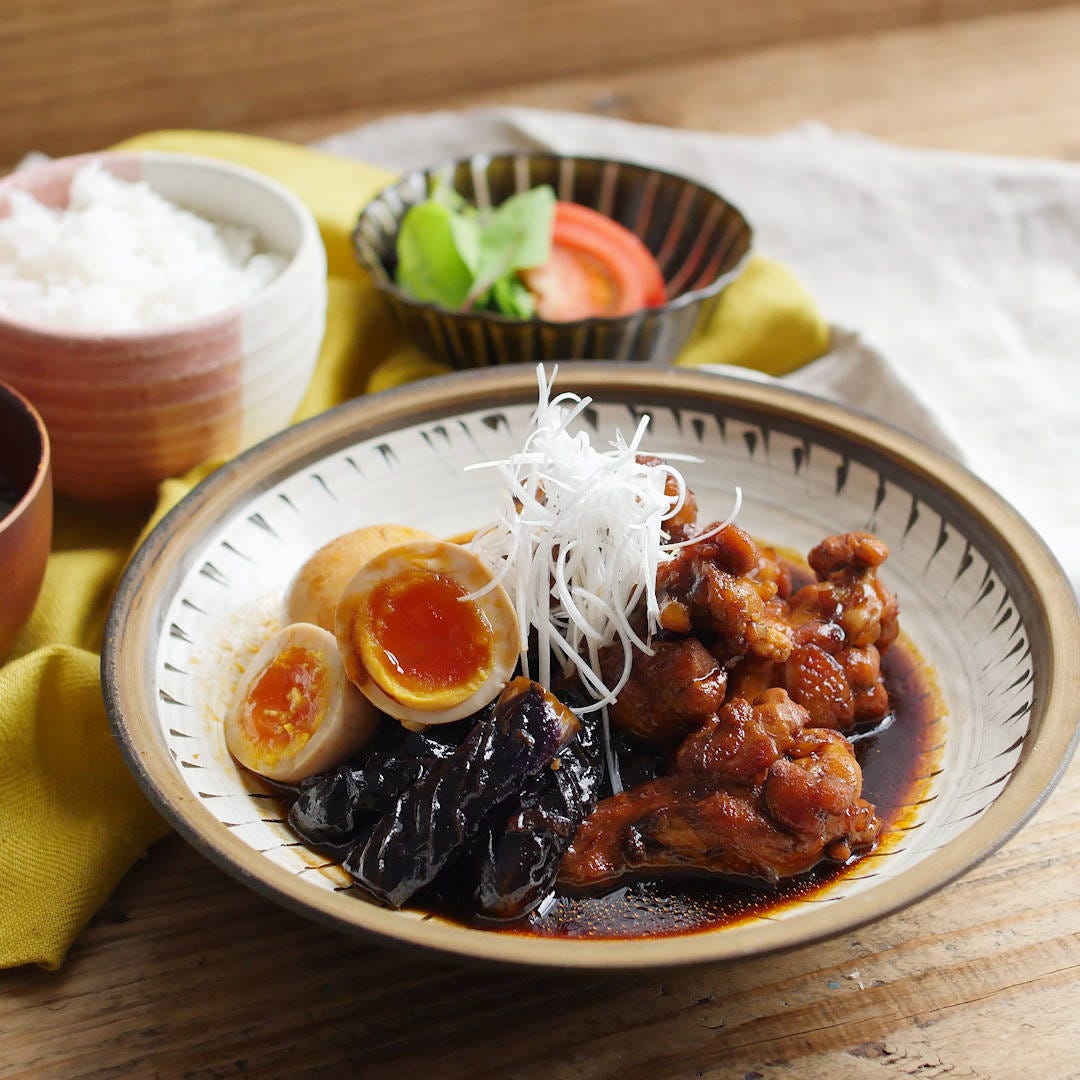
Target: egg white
column 313, row 594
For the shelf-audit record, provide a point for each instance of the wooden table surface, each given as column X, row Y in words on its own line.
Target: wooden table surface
column 187, row 973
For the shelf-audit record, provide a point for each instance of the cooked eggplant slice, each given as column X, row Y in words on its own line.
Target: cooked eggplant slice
column 435, row 817
column 520, row 852
column 336, row 807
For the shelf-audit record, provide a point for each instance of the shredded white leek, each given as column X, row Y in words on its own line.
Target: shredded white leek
column 577, row 540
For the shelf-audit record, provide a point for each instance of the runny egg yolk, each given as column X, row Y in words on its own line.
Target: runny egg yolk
column 421, row 642
column 285, row 703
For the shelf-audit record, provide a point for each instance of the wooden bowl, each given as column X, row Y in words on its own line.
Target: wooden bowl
column 25, row 511
column 700, row 240
column 982, row 599
column 126, row 410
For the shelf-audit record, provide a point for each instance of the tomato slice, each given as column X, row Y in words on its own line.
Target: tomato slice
column 597, row 267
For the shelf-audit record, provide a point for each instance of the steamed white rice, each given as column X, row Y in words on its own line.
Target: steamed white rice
column 121, row 257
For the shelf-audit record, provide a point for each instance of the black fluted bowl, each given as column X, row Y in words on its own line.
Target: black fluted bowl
column 700, row 240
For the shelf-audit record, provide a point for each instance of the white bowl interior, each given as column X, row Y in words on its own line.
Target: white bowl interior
column 227, row 194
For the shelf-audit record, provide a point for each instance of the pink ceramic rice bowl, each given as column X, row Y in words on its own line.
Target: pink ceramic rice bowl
column 126, row 410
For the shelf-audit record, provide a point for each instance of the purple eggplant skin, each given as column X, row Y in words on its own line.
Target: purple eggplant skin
column 334, row 808
column 443, row 811
column 520, row 852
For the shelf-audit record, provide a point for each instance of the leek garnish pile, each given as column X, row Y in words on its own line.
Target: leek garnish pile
column 577, row 540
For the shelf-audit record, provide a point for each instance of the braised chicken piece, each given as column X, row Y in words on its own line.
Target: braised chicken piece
column 742, row 741
column 683, row 525
column 863, row 670
column 705, row 591
column 838, row 686
column 847, row 552
column 679, row 823
column 842, row 623
column 754, row 793
column 772, row 568
column 848, row 592
column 752, row 676
column 669, row 693
column 839, row 626
column 817, row 681
column 814, row 786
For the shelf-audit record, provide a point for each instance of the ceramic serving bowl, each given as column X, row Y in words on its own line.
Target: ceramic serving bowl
column 699, row 239
column 126, row 410
column 981, row 598
column 25, row 510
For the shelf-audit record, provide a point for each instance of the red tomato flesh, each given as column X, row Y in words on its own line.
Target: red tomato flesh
column 597, row 268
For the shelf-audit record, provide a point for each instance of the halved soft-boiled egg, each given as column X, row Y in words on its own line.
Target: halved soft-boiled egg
column 295, row 712
column 314, row 593
column 417, row 642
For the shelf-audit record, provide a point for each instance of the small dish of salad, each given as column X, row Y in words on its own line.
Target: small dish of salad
column 526, row 257
column 533, row 256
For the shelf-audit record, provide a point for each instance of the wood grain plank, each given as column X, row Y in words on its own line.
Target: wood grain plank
column 1008, row 84
column 76, row 76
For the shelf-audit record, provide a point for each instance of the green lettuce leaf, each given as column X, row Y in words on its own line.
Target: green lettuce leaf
column 510, row 296
column 430, row 266
column 516, row 236
column 450, row 253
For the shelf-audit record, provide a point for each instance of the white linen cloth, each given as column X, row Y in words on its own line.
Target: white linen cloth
column 959, row 274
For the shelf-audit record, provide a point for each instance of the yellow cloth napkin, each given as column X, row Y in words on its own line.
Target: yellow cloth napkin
column 72, row 819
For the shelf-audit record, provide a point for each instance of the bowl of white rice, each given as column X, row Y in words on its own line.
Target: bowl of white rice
column 159, row 310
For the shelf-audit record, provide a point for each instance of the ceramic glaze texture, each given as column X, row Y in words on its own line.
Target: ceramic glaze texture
column 126, row 410
column 965, row 605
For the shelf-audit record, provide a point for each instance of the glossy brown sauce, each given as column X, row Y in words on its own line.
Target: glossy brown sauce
column 898, row 761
